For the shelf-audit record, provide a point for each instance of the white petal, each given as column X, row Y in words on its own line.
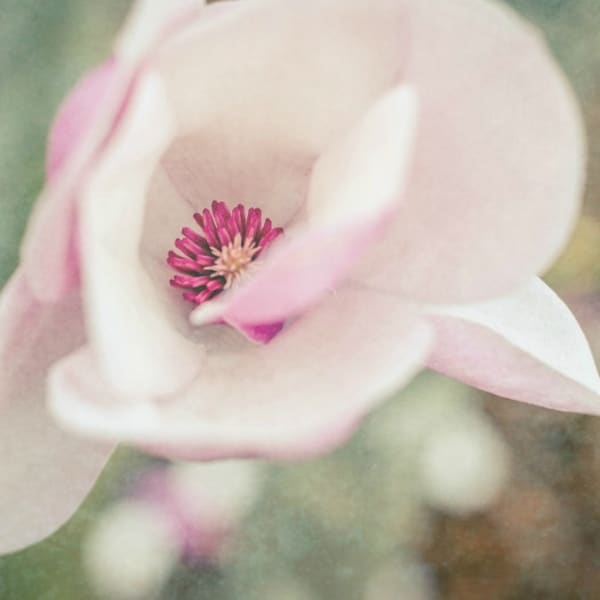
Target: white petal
column 133, row 331
column 526, row 346
column 302, row 394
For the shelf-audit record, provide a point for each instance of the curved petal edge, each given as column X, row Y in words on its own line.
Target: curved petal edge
column 525, row 346
column 300, row 395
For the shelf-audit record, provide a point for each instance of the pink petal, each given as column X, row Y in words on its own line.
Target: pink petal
column 76, row 114
column 84, row 123
column 265, row 87
column 302, row 394
column 499, row 158
column 45, row 472
column 355, row 187
column 81, row 124
column 526, row 346
column 133, row 328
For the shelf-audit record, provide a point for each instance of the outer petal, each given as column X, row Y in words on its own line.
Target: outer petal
column 526, row 346
column 499, row 158
column 45, row 472
column 302, row 394
column 76, row 115
column 355, row 187
column 84, row 123
column 134, row 333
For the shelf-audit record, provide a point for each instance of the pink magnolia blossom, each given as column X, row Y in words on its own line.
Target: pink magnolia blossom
column 425, row 161
column 182, row 511
column 205, row 503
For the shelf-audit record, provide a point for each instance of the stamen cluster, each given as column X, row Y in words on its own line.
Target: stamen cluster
column 211, row 261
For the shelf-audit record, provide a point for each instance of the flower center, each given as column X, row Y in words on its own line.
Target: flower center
column 212, row 260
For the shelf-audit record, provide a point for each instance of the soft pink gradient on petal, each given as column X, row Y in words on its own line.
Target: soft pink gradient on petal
column 45, row 472
column 302, row 394
column 77, row 135
column 526, row 346
column 71, row 122
column 256, row 104
column 355, row 188
column 499, row 158
column 132, row 330
column 76, row 113
column 262, row 334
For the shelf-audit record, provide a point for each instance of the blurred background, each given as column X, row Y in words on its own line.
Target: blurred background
column 443, row 493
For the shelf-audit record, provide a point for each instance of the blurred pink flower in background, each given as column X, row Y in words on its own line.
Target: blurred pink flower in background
column 205, row 502
column 425, row 160
column 189, row 511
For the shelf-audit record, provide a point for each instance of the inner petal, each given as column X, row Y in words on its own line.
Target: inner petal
column 256, row 105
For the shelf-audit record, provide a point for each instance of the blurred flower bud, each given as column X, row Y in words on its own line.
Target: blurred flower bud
column 205, row 502
column 465, row 465
column 130, row 552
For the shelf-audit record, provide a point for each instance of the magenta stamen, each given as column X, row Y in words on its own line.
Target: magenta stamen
column 212, row 259
column 221, row 214
column 203, row 296
column 224, row 236
column 213, row 285
column 208, row 225
column 196, row 238
column 253, row 224
column 189, row 281
column 188, row 248
column 266, row 227
column 239, row 218
column 267, row 239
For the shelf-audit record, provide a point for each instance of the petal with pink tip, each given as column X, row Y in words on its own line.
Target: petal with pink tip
column 499, row 159
column 45, row 472
column 526, row 346
column 300, row 395
column 76, row 114
column 132, row 327
column 355, row 187
column 82, row 122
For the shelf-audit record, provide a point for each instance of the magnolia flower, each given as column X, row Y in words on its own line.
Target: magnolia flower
column 419, row 161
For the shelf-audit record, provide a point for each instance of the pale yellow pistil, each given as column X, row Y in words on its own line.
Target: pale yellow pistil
column 232, row 260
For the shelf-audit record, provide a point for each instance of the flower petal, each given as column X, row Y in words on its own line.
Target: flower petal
column 499, row 158
column 133, row 331
column 45, row 472
column 76, row 115
column 257, row 103
column 526, row 346
column 355, row 187
column 302, row 394
column 83, row 124
column 149, row 22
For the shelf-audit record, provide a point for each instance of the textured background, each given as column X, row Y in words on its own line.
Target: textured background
column 374, row 520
